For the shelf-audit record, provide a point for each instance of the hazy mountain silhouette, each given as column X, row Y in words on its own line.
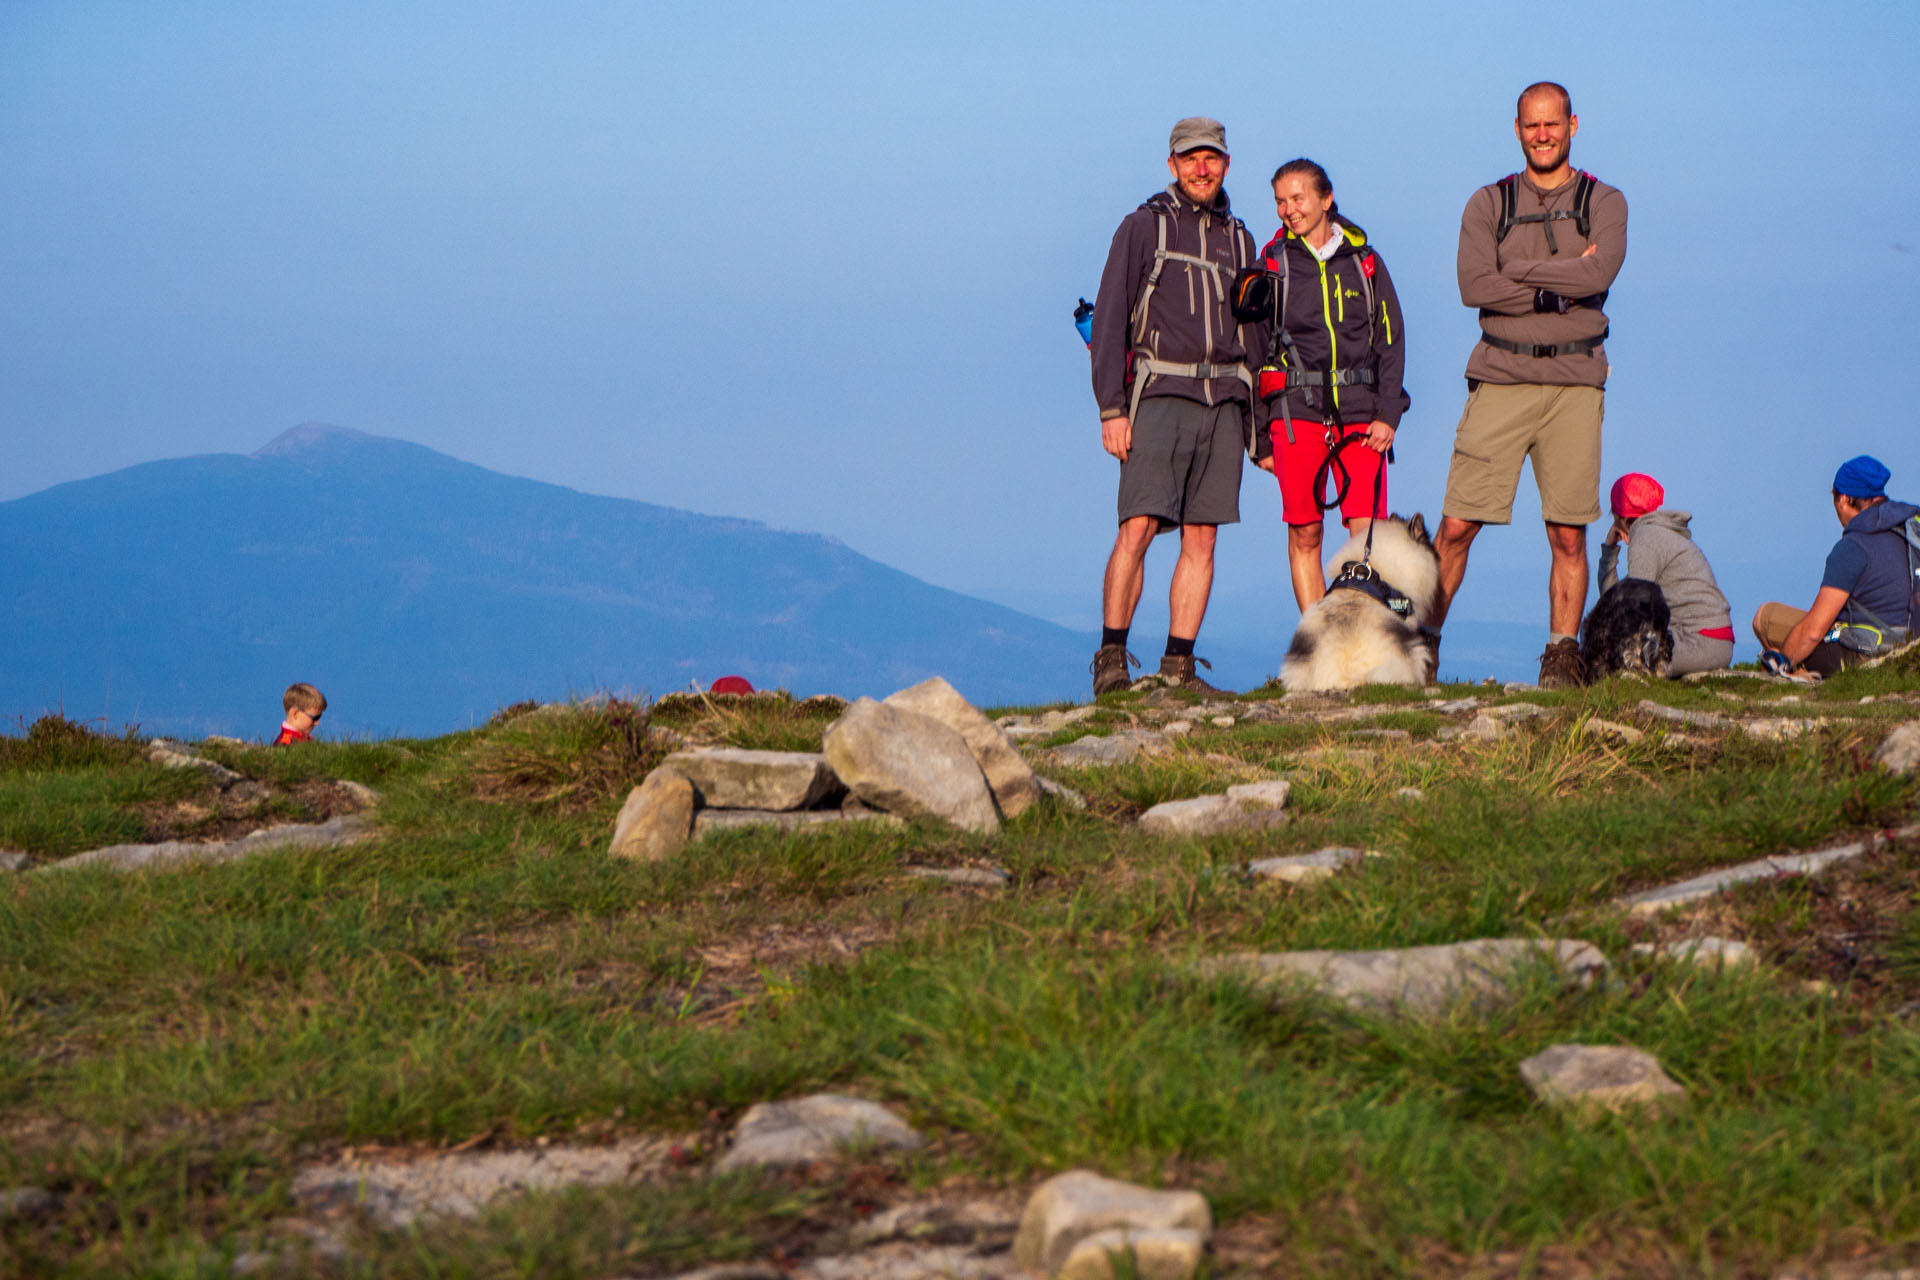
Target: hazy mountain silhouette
column 421, row 592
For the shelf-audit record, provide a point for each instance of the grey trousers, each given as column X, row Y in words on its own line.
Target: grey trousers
column 1697, row 653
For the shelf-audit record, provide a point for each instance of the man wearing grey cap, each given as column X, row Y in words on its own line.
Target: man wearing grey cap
column 1171, row 377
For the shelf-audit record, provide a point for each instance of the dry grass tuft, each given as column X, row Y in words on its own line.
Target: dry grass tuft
column 565, row 757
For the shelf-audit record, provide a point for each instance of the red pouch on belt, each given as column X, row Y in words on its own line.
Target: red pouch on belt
column 1272, row 382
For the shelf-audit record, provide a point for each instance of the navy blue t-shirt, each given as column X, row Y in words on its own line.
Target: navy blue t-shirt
column 1869, row 563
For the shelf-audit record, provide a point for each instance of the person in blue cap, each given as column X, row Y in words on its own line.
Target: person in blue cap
column 1866, row 601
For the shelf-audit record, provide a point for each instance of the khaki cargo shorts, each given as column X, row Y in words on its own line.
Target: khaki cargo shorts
column 1505, row 424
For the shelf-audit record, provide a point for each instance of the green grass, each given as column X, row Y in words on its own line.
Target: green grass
column 174, row 1046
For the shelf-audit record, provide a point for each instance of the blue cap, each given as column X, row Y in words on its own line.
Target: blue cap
column 1862, row 477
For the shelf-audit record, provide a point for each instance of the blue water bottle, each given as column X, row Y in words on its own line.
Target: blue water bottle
column 1083, row 321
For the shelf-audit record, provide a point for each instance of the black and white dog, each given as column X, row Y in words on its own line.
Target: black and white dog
column 1629, row 632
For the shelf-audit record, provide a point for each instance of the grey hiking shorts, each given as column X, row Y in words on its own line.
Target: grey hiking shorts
column 1184, row 466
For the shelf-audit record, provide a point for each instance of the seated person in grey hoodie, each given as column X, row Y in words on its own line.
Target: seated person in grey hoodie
column 1660, row 549
column 1865, row 603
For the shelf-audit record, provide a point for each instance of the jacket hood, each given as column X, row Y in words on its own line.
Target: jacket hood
column 1667, row 518
column 1173, row 199
column 1353, row 237
column 1882, row 516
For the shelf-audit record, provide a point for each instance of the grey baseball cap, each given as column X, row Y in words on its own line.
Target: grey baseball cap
column 1196, row 132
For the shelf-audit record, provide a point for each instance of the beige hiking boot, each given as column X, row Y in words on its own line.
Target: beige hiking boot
column 1110, row 669
column 1561, row 666
column 1181, row 671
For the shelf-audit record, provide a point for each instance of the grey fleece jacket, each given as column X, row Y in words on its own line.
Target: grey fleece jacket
column 1661, row 550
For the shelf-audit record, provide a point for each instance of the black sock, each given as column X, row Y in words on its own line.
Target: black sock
column 1178, row 648
column 1114, row 635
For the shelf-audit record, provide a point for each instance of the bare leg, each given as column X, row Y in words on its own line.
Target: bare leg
column 1451, row 544
column 1192, row 580
column 1567, row 580
column 1126, row 569
column 1303, row 560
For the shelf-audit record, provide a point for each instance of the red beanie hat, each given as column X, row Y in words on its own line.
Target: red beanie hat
column 1634, row 495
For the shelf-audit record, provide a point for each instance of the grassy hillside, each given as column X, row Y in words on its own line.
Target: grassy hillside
column 175, row 1046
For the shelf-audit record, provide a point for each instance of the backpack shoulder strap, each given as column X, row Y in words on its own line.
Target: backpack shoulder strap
column 1506, row 206
column 1583, row 203
column 1153, row 276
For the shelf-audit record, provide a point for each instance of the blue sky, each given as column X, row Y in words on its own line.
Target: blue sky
column 815, row 266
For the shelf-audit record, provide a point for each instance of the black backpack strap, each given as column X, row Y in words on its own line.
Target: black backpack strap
column 1583, row 203
column 1506, row 206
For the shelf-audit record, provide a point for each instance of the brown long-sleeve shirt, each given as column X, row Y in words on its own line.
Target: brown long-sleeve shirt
column 1500, row 277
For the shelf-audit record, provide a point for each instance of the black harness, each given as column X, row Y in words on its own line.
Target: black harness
column 1579, row 215
column 1362, row 576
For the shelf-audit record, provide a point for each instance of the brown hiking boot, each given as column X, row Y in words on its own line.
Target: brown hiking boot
column 1561, row 667
column 1180, row 671
column 1110, row 669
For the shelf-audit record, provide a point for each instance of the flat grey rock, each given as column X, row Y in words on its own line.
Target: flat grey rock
column 1516, row 711
column 910, row 764
column 1784, row 864
column 1306, row 868
column 1208, row 816
column 1778, row 728
column 1598, row 728
column 1064, row 794
column 20, row 1203
column 1268, row 793
column 14, row 860
column 813, row 1128
column 1008, row 774
column 345, row 830
column 460, row 1184
column 1482, row 728
column 1709, row 951
column 1410, row 979
column 360, row 793
column 1094, row 751
column 175, row 755
column 1697, row 719
column 1899, row 752
column 1600, row 1077
column 1068, row 1208
column 972, row 877
column 734, row 778
column 657, row 819
column 706, row 821
column 1454, row 706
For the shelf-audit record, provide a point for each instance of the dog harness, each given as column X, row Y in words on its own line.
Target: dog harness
column 1361, row 576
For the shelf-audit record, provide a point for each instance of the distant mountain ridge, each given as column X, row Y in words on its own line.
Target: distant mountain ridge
column 421, row 592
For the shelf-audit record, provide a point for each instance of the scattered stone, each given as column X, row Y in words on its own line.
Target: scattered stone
column 733, row 778
column 1518, row 711
column 972, row 877
column 910, row 764
column 938, row 1222
column 657, row 819
column 1206, row 816
column 1482, row 728
column 221, row 739
column 1782, row 864
column 1608, row 729
column 1410, row 979
column 1177, row 728
column 1518, row 686
column 707, row 821
column 1776, row 729
column 1385, row 735
column 1268, row 793
column 1698, row 719
column 1716, row 952
column 813, row 1128
column 14, row 860
column 1220, row 722
column 344, row 830
column 20, row 1203
column 1413, row 795
column 1073, row 1206
column 1307, row 868
column 362, row 795
column 1046, row 723
column 1599, row 1077
column 175, row 755
column 1900, row 751
column 1009, row 776
column 1337, row 757
column 1167, row 1253
column 1064, row 794
column 459, row 1184
column 1724, row 673
column 1094, row 751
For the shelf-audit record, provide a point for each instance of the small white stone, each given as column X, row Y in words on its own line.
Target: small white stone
column 1410, row 794
column 1177, row 728
column 1222, row 722
column 1164, row 1253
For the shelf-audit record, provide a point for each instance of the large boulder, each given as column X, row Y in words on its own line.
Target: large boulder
column 910, row 764
column 1008, row 774
column 735, row 778
column 657, row 819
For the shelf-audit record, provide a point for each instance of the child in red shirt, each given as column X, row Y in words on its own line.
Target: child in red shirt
column 305, row 705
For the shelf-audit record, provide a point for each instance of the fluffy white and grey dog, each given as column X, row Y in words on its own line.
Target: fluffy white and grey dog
column 1348, row 638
